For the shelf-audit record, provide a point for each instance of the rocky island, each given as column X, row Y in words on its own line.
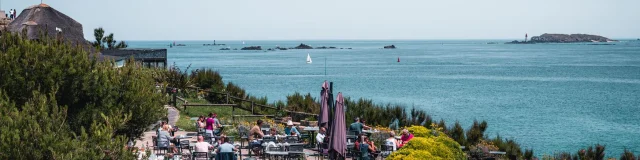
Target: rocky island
column 252, row 48
column 564, row 38
column 303, row 46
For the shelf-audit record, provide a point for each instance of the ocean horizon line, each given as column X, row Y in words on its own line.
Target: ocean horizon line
column 274, row 40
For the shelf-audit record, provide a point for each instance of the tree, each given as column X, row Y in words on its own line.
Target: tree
column 87, row 87
column 98, row 33
column 109, row 40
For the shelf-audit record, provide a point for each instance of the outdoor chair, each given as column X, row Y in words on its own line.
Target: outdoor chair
column 274, row 149
column 298, row 151
column 292, row 139
column 323, row 149
column 351, row 150
column 225, row 156
column 161, row 150
column 243, row 134
column 200, row 156
column 184, row 145
column 268, row 139
column 386, row 150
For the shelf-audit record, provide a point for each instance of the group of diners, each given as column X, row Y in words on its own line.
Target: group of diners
column 209, row 125
column 262, row 137
column 367, row 149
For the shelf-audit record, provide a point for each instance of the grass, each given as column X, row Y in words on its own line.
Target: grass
column 224, row 114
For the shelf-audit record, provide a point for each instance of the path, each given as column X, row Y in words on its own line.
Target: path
column 172, row 114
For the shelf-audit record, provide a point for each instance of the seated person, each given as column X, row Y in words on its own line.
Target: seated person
column 273, row 133
column 290, row 128
column 254, row 134
column 164, row 138
column 372, row 148
column 406, row 137
column 364, row 147
column 392, row 141
column 320, row 136
column 226, row 146
column 202, row 146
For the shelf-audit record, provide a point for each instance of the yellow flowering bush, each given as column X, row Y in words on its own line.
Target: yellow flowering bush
column 407, row 154
column 424, row 145
column 419, row 131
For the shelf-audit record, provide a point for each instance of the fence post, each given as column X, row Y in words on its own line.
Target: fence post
column 252, row 104
column 227, row 97
column 233, row 117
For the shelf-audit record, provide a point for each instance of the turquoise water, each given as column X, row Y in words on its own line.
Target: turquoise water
column 549, row 97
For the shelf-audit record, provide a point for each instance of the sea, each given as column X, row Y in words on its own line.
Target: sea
column 548, row 97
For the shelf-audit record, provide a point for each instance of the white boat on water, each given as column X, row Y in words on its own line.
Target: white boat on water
column 309, row 59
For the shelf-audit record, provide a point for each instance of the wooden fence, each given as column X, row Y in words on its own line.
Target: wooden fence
column 251, row 108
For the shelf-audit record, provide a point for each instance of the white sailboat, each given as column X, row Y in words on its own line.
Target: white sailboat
column 309, row 59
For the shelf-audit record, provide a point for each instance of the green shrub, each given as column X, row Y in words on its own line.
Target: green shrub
column 627, row 155
column 528, row 154
column 457, row 133
column 38, row 130
column 476, row 132
column 88, row 87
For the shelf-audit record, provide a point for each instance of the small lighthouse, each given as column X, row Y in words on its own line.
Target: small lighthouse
column 525, row 37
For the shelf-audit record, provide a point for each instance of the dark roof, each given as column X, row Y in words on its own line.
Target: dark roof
column 44, row 18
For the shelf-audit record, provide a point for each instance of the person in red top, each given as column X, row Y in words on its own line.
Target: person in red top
column 406, row 137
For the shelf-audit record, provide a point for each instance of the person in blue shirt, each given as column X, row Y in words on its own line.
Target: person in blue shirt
column 290, row 128
column 357, row 126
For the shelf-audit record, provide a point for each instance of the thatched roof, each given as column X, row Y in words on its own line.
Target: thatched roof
column 42, row 17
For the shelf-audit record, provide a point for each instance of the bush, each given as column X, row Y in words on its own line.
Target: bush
column 426, row 145
column 406, row 154
column 38, row 130
column 457, row 133
column 476, row 132
column 207, row 79
column 87, row 87
column 419, row 131
column 627, row 155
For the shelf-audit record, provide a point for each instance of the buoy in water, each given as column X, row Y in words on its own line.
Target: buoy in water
column 398, row 59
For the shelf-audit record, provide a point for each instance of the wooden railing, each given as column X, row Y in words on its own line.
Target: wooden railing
column 229, row 97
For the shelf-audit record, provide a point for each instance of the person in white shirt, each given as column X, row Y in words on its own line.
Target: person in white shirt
column 321, row 135
column 202, row 146
column 391, row 142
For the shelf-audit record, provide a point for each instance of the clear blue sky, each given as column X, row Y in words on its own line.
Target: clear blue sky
column 347, row 19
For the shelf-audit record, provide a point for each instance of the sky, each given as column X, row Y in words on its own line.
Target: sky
column 346, row 19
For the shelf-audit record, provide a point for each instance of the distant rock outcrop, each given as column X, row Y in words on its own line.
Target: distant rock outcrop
column 390, row 47
column 252, row 48
column 568, row 38
column 303, row 46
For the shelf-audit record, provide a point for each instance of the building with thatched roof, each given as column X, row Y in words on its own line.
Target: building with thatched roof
column 43, row 19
